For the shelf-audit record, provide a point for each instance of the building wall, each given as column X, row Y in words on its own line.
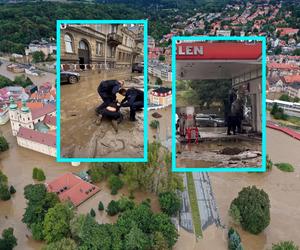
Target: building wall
column 36, row 146
column 160, row 100
column 96, row 38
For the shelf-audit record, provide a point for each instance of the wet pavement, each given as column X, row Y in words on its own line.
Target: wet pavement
column 82, row 138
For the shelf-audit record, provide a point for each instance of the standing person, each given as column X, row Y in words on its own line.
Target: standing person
column 107, row 91
column 134, row 98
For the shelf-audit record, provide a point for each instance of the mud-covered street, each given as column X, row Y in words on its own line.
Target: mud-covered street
column 82, row 138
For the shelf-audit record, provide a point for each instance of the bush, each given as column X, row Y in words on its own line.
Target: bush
column 3, row 144
column 254, row 207
column 92, row 212
column 169, row 203
column 4, row 193
column 154, row 124
column 125, row 203
column 286, row 167
column 234, row 240
column 35, row 173
column 235, row 214
column 112, row 208
column 285, row 245
column 12, row 190
column 40, row 175
column 115, row 183
column 100, row 206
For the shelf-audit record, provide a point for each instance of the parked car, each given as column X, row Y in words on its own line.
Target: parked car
column 69, row 77
column 137, row 67
column 210, row 120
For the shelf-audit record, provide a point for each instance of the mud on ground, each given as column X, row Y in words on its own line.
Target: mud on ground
column 82, row 138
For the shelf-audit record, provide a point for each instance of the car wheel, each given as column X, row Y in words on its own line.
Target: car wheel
column 72, row 79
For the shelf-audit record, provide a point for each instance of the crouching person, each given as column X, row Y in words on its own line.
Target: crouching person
column 111, row 112
column 134, row 98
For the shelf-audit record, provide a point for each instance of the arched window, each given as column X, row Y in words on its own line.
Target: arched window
column 83, row 45
column 68, row 43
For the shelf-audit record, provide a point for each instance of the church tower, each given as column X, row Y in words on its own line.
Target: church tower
column 13, row 116
column 25, row 116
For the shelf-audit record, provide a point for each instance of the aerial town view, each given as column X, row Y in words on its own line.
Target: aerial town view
column 69, row 206
column 102, row 91
column 219, row 114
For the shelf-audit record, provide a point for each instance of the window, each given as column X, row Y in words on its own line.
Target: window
column 113, row 28
column 68, row 44
column 83, row 45
column 99, row 48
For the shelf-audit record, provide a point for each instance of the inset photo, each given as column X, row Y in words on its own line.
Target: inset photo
column 220, row 96
column 102, row 86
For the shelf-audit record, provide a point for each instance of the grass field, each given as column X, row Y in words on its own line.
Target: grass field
column 194, row 205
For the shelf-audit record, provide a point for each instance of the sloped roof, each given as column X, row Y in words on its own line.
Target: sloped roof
column 48, row 108
column 70, row 187
column 36, row 136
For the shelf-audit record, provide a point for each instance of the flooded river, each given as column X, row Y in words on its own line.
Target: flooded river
column 81, row 137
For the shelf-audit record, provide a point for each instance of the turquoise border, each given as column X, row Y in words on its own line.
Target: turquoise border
column 145, row 157
column 264, row 75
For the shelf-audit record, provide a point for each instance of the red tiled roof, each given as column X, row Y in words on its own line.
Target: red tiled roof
column 285, row 130
column 72, row 188
column 48, row 108
column 291, row 79
column 286, row 31
column 283, row 66
column 31, row 105
column 51, row 120
column 36, row 136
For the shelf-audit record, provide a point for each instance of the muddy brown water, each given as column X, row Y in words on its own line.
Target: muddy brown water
column 17, row 163
column 81, row 137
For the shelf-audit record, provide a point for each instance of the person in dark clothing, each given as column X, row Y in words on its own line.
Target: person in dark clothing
column 111, row 112
column 134, row 98
column 230, row 117
column 107, row 91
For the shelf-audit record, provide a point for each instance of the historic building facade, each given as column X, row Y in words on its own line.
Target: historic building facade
column 99, row 46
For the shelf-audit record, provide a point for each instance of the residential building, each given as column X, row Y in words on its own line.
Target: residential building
column 72, row 188
column 161, row 96
column 293, row 90
column 99, row 46
column 43, row 46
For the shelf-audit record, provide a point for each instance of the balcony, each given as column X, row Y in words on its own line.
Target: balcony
column 114, row 39
column 137, row 50
column 139, row 38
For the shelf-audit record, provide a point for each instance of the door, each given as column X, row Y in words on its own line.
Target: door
column 83, row 54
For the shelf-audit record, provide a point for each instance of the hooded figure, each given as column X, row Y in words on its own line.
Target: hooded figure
column 134, row 98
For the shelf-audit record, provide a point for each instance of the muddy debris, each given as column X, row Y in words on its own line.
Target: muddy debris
column 156, row 115
column 231, row 151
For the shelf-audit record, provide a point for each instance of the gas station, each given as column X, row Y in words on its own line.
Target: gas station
column 239, row 63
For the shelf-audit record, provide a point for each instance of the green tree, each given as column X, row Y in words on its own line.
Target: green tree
column 159, row 241
column 92, row 212
column 296, row 52
column 136, row 239
column 8, row 240
column 285, row 97
column 161, row 58
column 37, row 230
column 38, row 56
column 254, row 207
column 125, row 203
column 112, row 208
column 22, row 81
column 277, row 50
column 40, row 175
column 234, row 240
column 285, row 245
column 169, row 203
column 3, row 143
column 35, row 173
column 235, row 214
column 115, row 183
column 100, row 206
column 57, row 222
column 63, row 244
column 4, row 192
column 296, row 99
